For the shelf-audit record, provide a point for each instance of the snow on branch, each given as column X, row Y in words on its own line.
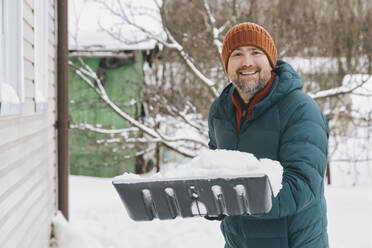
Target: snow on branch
column 148, row 150
column 109, row 141
column 132, row 140
column 86, row 74
column 183, row 139
column 199, row 127
column 209, row 83
column 86, row 126
column 216, row 31
column 349, row 87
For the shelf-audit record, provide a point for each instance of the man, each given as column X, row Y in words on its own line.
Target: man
column 265, row 112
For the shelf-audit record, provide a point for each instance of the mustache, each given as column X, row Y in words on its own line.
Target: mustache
column 250, row 68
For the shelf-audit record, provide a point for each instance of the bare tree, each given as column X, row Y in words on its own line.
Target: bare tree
column 187, row 74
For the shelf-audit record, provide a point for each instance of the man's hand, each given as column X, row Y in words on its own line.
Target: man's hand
column 219, row 217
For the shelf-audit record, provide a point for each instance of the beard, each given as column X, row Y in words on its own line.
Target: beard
column 250, row 85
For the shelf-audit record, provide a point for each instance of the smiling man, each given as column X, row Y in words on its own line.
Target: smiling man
column 264, row 111
column 249, row 69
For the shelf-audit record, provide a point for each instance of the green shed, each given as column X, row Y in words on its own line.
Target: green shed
column 91, row 153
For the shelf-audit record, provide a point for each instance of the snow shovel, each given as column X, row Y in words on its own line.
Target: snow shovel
column 147, row 199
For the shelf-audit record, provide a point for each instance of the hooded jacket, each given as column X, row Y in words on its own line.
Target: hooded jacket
column 287, row 126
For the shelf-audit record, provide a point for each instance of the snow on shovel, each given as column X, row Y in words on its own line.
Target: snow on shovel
column 207, row 186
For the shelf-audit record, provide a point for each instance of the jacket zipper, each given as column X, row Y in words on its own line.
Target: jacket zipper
column 244, row 115
column 242, row 119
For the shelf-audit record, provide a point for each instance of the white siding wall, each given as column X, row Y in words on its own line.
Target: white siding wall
column 28, row 151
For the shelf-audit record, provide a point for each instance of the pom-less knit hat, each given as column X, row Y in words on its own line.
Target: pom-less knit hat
column 248, row 34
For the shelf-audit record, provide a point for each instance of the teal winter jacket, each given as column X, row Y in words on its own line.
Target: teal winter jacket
column 287, row 126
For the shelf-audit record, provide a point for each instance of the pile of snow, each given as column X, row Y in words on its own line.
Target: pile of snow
column 217, row 164
column 69, row 236
column 8, row 94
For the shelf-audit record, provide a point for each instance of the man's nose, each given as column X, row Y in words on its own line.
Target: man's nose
column 247, row 60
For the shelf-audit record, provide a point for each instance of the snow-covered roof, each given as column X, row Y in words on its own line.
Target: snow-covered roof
column 97, row 53
column 85, row 32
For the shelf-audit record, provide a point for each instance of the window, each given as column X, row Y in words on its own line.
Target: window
column 11, row 57
column 41, row 54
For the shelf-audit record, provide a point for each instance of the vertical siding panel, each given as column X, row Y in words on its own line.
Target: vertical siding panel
column 52, row 94
column 52, row 107
column 13, row 151
column 40, row 234
column 29, row 70
column 29, row 3
column 21, row 202
column 33, row 192
column 52, row 69
column 52, row 78
column 38, row 228
column 17, row 175
column 51, row 11
column 52, row 49
column 14, row 130
column 28, row 151
column 28, row 32
column 28, row 51
column 36, row 206
column 28, row 14
column 29, row 88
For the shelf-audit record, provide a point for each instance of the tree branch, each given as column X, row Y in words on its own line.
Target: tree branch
column 86, row 72
column 349, row 88
column 214, row 29
column 140, row 153
column 92, row 128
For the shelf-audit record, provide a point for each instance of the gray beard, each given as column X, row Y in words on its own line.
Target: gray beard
column 243, row 89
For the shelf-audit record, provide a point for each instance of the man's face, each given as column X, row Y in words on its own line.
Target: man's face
column 249, row 69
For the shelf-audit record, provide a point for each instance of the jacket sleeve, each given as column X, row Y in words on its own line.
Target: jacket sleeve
column 303, row 155
column 212, row 139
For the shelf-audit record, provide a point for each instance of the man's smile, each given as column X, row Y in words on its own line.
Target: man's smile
column 247, row 73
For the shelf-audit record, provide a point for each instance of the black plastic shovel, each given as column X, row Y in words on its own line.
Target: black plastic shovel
column 147, row 199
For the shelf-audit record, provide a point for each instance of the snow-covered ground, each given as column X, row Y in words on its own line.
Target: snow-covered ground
column 96, row 209
column 98, row 219
column 349, row 216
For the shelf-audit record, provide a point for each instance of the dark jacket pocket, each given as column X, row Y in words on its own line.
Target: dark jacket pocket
column 265, row 233
column 256, row 233
column 225, row 134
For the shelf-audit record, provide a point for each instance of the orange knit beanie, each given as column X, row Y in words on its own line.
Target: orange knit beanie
column 248, row 34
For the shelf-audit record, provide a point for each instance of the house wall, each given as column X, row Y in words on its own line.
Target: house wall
column 28, row 151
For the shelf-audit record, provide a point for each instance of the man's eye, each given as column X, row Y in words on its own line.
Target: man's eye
column 237, row 54
column 256, row 52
